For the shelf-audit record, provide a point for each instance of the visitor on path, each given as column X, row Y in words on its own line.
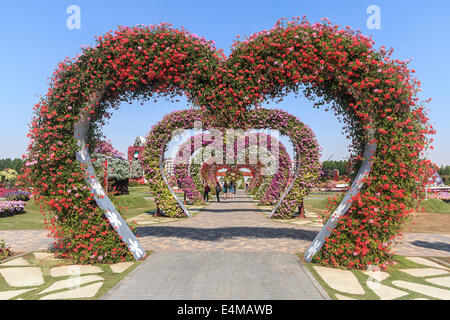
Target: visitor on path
column 218, row 189
column 206, row 191
column 230, row 189
column 225, row 190
column 234, row 189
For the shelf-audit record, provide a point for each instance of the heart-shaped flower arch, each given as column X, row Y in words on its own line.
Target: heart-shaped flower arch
column 243, row 142
column 375, row 96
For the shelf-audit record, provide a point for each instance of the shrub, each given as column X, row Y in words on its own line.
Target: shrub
column 5, row 251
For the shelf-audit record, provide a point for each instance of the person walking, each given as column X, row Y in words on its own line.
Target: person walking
column 230, row 189
column 218, row 189
column 225, row 190
column 206, row 190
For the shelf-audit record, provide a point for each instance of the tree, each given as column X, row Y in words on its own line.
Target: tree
column 341, row 165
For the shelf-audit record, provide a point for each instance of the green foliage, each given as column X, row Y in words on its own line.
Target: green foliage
column 341, row 165
column 436, row 206
column 136, row 170
column 15, row 164
column 444, row 171
column 118, row 169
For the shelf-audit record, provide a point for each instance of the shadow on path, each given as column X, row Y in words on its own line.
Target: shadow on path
column 217, row 234
column 432, row 245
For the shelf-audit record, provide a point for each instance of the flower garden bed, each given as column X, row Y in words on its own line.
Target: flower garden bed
column 10, row 208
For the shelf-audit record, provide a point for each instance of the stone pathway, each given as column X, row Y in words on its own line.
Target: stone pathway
column 379, row 282
column 40, row 276
column 233, row 224
column 223, row 275
column 22, row 241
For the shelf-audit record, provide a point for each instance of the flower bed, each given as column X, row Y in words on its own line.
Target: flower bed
column 4, row 191
column 18, row 195
column 10, row 208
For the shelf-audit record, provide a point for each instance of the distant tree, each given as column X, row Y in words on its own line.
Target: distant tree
column 15, row 164
column 338, row 165
column 444, row 171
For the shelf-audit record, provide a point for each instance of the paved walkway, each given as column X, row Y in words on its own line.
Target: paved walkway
column 222, row 275
column 22, row 241
column 229, row 250
column 233, row 224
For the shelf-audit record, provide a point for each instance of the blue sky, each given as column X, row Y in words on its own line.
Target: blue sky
column 34, row 38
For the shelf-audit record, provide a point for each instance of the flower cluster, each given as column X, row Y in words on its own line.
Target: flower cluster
column 10, row 208
column 17, row 195
column 5, row 251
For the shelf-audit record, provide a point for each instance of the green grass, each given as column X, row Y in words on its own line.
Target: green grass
column 436, row 206
column 394, row 274
column 316, row 204
column 141, row 190
column 111, row 278
column 33, row 219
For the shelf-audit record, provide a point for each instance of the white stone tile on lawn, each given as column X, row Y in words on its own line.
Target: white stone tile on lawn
column 301, row 222
column 43, row 255
column 72, row 270
column 71, row 283
column 340, row 280
column 385, row 292
column 341, row 297
column 424, row 272
column 83, row 292
column 423, row 289
column 22, row 276
column 6, row 295
column 120, row 267
column 18, row 262
column 425, row 262
column 442, row 281
column 377, row 275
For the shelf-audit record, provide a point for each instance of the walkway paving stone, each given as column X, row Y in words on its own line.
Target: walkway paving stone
column 424, row 272
column 340, row 280
column 71, row 282
column 423, row 289
column 43, row 255
column 72, row 270
column 442, row 281
column 19, row 262
column 22, row 276
column 341, row 297
column 83, row 292
column 6, row 295
column 385, row 292
column 426, row 262
column 223, row 275
column 120, row 267
column 377, row 275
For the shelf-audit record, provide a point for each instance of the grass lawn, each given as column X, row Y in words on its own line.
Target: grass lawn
column 394, row 274
column 110, row 278
column 33, row 219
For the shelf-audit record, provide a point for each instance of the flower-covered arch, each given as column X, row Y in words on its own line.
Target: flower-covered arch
column 305, row 147
column 247, row 143
column 375, row 96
